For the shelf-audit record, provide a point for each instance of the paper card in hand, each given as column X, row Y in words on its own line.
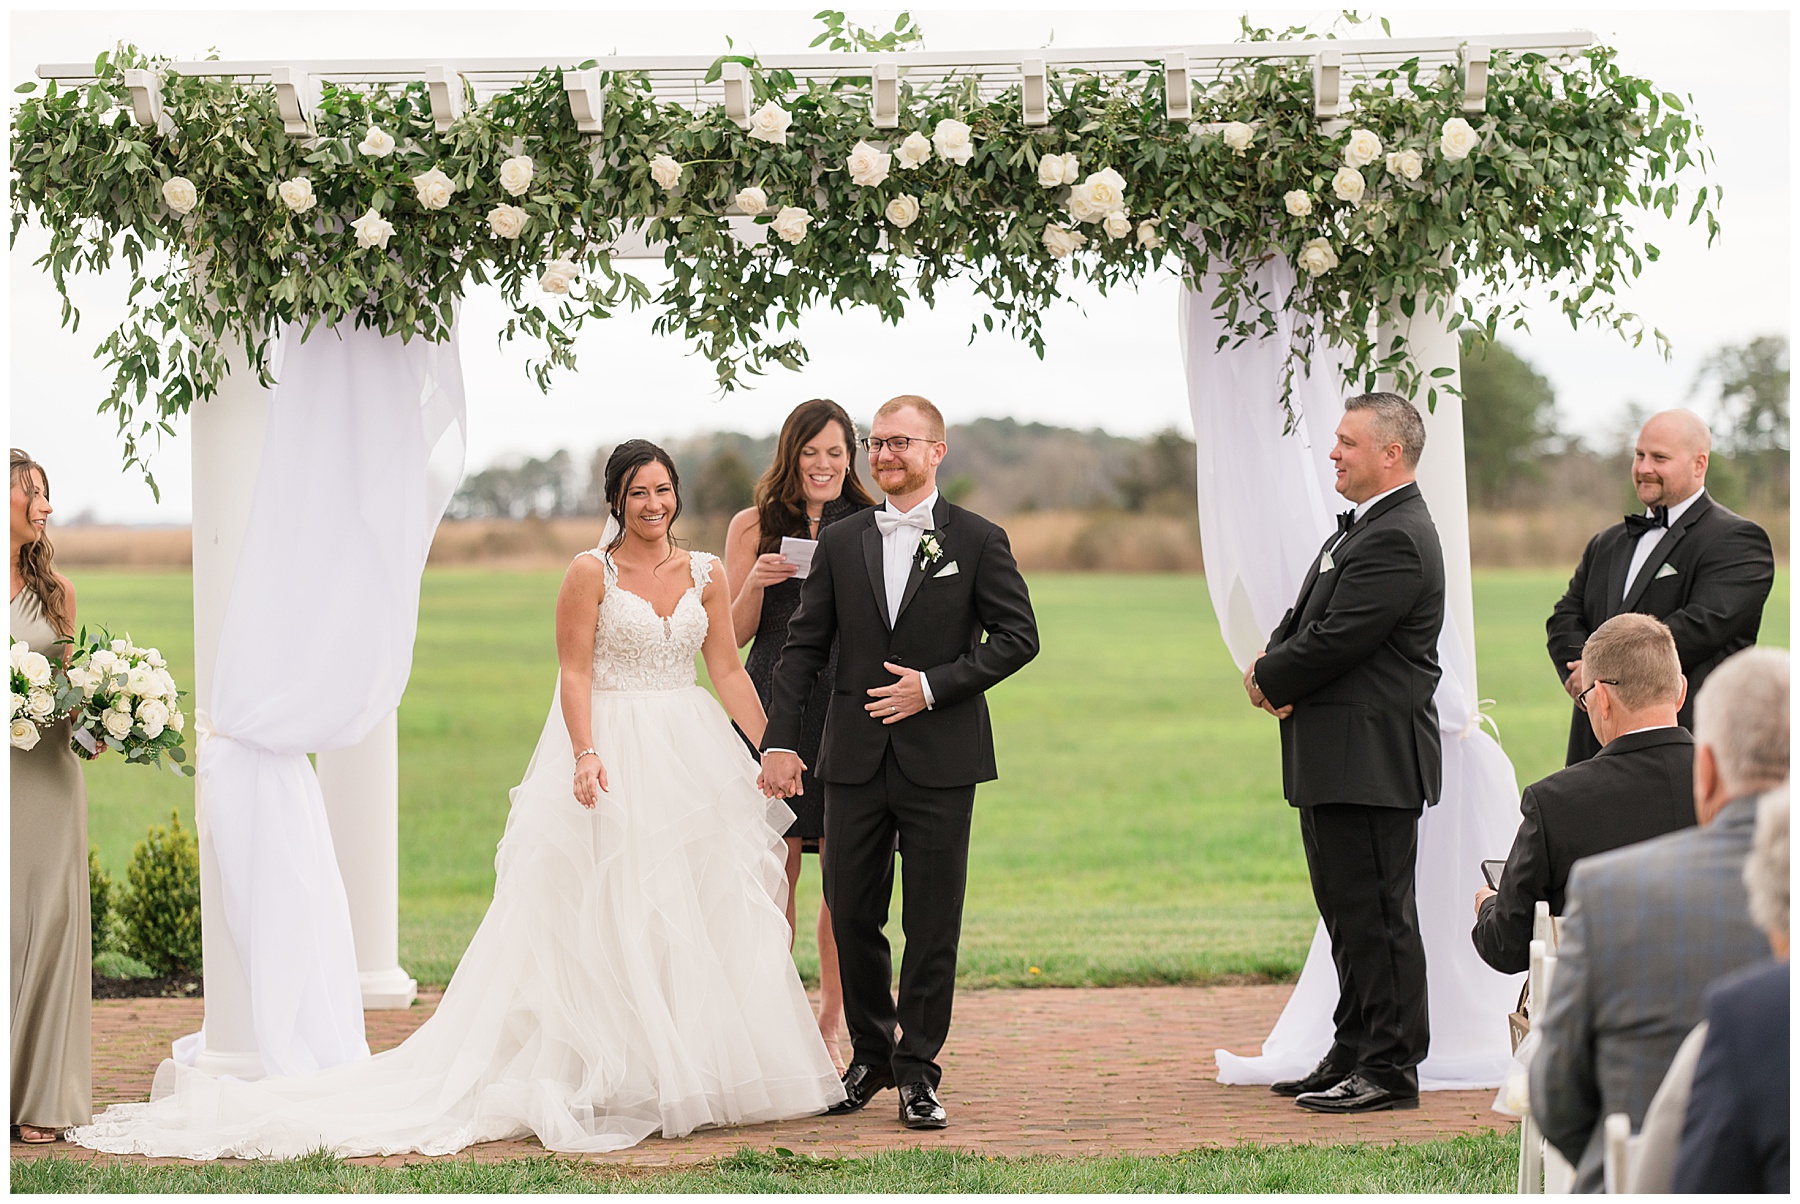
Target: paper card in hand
column 799, row 552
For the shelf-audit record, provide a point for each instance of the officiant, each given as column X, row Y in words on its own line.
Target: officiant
column 1687, row 560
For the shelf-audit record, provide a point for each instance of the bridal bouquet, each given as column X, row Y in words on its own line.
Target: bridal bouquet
column 126, row 701
column 35, row 695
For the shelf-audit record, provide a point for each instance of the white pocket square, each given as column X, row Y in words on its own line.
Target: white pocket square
column 949, row 570
column 1326, row 563
column 1667, row 570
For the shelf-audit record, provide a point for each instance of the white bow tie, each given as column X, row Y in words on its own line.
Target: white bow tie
column 888, row 522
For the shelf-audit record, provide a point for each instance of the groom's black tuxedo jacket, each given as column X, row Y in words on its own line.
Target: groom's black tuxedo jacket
column 1356, row 657
column 1707, row 578
column 942, row 618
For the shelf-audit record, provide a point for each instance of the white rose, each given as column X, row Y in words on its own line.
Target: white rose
column 176, row 721
column 121, row 704
column 903, row 210
column 118, row 724
column 1362, row 149
column 139, row 680
column 507, row 221
column 24, row 734
column 1056, row 170
column 868, row 165
column 951, row 140
column 1061, row 241
column 1147, row 236
column 1238, row 136
column 665, row 171
column 154, row 658
column 120, row 647
column 770, row 124
column 106, row 662
column 1458, row 140
column 1117, row 225
column 515, row 175
column 1102, row 193
column 163, row 685
column 1348, row 185
column 915, row 151
column 41, row 705
column 377, row 142
column 1298, row 202
column 154, row 716
column 751, row 200
column 179, row 194
column 790, row 224
column 18, row 649
column 35, row 668
column 372, row 230
column 297, row 194
column 434, row 189
column 1317, row 257
column 18, row 704
column 1407, row 164
column 558, row 276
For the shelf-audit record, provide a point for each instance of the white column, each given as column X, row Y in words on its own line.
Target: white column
column 227, row 439
column 362, row 802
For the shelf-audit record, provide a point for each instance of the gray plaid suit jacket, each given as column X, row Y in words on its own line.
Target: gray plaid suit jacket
column 1647, row 927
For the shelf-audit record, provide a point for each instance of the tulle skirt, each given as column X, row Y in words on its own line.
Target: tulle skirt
column 631, row 976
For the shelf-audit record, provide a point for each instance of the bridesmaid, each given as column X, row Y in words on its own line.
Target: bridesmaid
column 52, row 947
column 811, row 483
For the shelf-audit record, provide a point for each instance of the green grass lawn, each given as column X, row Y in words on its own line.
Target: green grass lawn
column 1137, row 832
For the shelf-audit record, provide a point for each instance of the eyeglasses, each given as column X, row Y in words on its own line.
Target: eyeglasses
column 1581, row 698
column 894, row 443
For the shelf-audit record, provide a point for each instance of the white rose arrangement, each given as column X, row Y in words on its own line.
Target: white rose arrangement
column 1101, row 194
column 790, row 223
column 1362, row 149
column 1117, row 225
column 434, row 189
column 1298, row 202
column 1458, row 139
column 1316, row 257
column 915, row 151
column 665, row 171
column 180, row 195
column 953, row 141
column 124, row 699
column 770, row 124
column 903, row 211
column 297, row 194
column 868, row 165
column 1061, row 241
column 377, row 143
column 1407, row 164
column 372, row 230
column 559, row 276
column 1147, row 237
column 1238, row 136
column 1348, row 185
column 507, row 221
column 516, row 174
column 1056, row 170
column 752, row 201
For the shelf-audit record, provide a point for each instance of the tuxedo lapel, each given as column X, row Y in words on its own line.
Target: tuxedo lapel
column 915, row 576
column 1615, row 581
column 871, row 547
column 1402, row 494
column 1659, row 555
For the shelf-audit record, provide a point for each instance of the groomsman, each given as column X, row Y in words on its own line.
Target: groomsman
column 1351, row 673
column 1687, row 560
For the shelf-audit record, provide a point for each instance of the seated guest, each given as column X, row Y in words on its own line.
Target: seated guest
column 1736, row 1136
column 1641, row 785
column 1648, row 927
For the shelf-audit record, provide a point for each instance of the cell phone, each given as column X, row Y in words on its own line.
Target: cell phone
column 1491, row 870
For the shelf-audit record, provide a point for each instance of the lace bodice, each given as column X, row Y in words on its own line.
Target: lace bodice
column 637, row 649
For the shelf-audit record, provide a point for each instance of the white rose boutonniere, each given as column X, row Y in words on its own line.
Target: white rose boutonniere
column 915, row 151
column 770, row 124
column 434, row 189
column 372, row 230
column 1348, row 185
column 516, row 174
column 1317, row 257
column 507, row 221
column 297, row 194
column 1056, row 170
column 1407, row 164
column 179, row 195
column 1362, row 149
column 558, row 276
column 1147, row 237
column 752, row 200
column 1117, row 225
column 665, row 171
column 930, row 550
column 377, row 142
column 903, row 210
column 868, row 165
column 1298, row 202
column 1459, row 138
column 1061, row 241
column 1238, row 136
column 790, row 223
column 952, row 141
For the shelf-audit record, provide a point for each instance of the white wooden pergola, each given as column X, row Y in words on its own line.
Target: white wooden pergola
column 361, row 784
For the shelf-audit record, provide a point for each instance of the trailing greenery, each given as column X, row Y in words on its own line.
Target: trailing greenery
column 161, row 911
column 1539, row 189
column 1483, row 1162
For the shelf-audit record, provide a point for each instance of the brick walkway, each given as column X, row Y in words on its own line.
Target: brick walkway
column 1120, row 1070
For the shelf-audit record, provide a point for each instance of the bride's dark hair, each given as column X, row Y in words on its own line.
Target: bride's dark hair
column 622, row 468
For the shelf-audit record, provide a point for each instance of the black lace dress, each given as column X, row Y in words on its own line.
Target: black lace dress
column 778, row 606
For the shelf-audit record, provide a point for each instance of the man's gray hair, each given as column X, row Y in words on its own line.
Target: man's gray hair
column 1766, row 869
column 1742, row 715
column 1394, row 420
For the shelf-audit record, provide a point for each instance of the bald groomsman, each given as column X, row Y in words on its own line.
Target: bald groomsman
column 1687, row 560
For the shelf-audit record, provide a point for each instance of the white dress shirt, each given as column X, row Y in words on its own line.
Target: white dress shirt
column 897, row 552
column 1647, row 542
column 1362, row 508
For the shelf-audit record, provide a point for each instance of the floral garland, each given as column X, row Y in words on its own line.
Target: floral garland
column 384, row 221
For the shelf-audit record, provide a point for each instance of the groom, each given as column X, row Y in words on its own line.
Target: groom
column 907, row 590
column 1351, row 673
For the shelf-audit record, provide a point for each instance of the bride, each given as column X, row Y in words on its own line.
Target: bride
column 632, row 974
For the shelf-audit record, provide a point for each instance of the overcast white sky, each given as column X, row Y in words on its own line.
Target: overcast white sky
column 1113, row 362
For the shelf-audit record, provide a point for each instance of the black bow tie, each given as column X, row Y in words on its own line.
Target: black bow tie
column 1638, row 524
column 1346, row 520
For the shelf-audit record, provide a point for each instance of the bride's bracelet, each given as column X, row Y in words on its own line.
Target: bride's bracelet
column 586, row 752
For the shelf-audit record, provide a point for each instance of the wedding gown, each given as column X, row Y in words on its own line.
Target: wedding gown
column 631, row 975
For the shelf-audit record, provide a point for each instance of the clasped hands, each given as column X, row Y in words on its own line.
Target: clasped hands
column 1257, row 698
column 780, row 777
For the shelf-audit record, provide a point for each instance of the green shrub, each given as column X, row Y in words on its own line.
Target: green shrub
column 162, row 908
column 100, row 900
column 110, row 963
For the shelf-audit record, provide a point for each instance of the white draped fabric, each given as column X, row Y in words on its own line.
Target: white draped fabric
column 1267, row 503
column 364, row 449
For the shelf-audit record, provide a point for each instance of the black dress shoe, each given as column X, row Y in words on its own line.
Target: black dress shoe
column 861, row 1082
column 1322, row 1077
column 920, row 1109
column 1356, row 1094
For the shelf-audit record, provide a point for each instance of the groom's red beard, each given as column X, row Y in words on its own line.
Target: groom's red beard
column 913, row 480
